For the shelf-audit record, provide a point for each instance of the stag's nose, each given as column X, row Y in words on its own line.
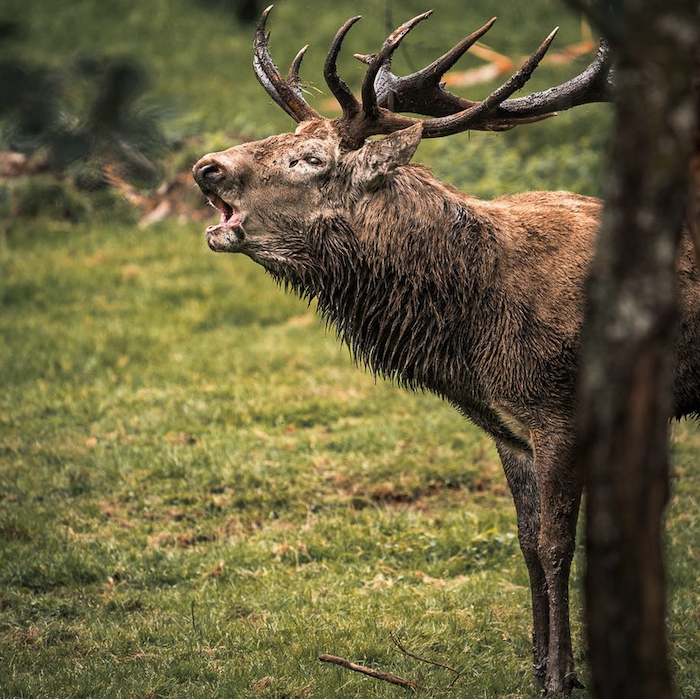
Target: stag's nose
column 208, row 171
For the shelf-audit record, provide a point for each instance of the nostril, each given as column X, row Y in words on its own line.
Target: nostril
column 209, row 171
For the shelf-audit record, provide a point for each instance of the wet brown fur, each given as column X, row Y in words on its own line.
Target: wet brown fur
column 481, row 302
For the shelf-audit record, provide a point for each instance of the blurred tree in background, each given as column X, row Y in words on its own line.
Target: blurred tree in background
column 87, row 116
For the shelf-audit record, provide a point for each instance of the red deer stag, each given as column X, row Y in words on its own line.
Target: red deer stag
column 480, row 302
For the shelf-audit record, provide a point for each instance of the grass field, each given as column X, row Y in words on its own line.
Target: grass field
column 199, row 493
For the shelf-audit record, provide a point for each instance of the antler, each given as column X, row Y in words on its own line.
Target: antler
column 423, row 92
column 384, row 94
column 286, row 93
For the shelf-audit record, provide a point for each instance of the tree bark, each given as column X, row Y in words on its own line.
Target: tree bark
column 625, row 382
column 695, row 162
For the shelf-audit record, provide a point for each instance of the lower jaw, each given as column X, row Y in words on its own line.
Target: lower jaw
column 227, row 240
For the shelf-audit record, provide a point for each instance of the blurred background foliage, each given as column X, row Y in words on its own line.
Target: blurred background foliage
column 131, row 93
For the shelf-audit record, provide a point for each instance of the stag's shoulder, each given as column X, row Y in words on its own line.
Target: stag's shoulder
column 566, row 203
column 550, row 219
column 545, row 244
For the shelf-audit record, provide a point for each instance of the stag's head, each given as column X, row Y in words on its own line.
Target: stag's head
column 270, row 192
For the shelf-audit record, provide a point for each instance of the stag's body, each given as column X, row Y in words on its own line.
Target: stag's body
column 481, row 302
column 471, row 299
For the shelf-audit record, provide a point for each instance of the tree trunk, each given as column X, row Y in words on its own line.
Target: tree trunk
column 695, row 162
column 625, row 382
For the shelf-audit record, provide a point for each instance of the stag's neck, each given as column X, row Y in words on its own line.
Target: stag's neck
column 405, row 285
column 428, row 232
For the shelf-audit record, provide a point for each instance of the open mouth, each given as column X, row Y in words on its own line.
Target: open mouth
column 229, row 231
column 231, row 217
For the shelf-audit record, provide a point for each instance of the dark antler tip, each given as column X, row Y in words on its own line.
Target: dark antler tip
column 548, row 41
column 340, row 35
column 262, row 21
column 293, row 75
column 418, row 18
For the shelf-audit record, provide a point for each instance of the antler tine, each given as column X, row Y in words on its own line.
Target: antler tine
column 293, row 78
column 286, row 95
column 441, row 65
column 376, row 120
column 340, row 90
column 478, row 116
column 369, row 96
column 516, row 82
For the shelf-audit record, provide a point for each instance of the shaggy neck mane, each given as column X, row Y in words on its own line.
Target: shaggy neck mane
column 389, row 281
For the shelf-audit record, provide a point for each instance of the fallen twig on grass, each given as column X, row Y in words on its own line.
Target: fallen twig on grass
column 388, row 677
column 377, row 674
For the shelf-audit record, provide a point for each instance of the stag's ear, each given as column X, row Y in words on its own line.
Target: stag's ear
column 378, row 158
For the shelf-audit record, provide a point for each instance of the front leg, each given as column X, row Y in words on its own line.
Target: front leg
column 559, row 489
column 520, row 474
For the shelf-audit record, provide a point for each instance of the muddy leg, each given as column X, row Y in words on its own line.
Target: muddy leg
column 520, row 473
column 559, row 490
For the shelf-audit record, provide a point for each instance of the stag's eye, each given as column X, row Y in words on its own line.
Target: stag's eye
column 306, row 160
column 310, row 160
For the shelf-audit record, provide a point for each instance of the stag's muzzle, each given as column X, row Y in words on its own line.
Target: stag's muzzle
column 210, row 174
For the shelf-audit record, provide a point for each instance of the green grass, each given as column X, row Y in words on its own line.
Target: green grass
column 199, row 493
